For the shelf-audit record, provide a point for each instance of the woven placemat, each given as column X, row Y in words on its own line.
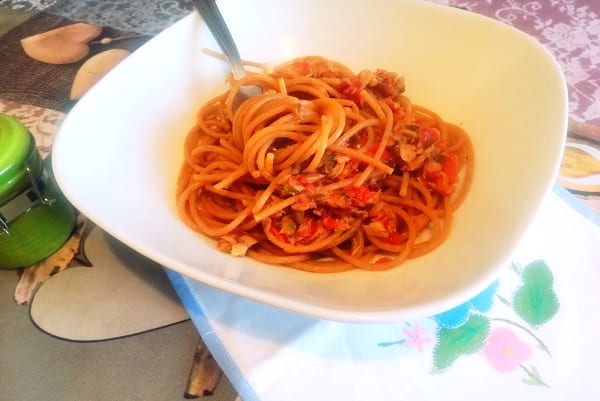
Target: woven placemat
column 28, row 81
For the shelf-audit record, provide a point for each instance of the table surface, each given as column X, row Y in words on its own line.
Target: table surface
column 36, row 365
column 160, row 359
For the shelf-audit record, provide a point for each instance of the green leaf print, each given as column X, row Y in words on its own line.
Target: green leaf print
column 535, row 301
column 538, row 272
column 466, row 339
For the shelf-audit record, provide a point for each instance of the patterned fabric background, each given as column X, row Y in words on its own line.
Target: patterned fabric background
column 570, row 28
column 143, row 16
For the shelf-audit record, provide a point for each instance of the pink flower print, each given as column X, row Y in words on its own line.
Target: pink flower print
column 505, row 351
column 416, row 337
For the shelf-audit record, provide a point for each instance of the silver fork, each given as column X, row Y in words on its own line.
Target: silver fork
column 218, row 27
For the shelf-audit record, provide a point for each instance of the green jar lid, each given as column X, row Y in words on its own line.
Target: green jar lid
column 15, row 142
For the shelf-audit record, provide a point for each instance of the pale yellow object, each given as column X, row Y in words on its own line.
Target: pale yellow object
column 94, row 69
column 578, row 163
column 205, row 374
column 64, row 45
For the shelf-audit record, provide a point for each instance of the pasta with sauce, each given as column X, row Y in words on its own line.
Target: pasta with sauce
column 325, row 171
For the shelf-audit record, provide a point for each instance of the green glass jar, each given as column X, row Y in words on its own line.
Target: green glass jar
column 35, row 218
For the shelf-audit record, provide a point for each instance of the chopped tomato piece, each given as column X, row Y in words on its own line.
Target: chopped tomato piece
column 443, row 186
column 307, row 230
column 450, row 167
column 394, row 238
column 383, row 217
column 329, row 222
column 386, row 156
column 360, row 195
column 351, row 89
column 421, row 220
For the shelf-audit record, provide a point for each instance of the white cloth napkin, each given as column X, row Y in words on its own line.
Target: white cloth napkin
column 533, row 335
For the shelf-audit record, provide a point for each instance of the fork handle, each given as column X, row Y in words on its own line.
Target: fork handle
column 213, row 18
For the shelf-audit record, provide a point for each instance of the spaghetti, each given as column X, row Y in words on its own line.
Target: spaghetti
column 325, row 171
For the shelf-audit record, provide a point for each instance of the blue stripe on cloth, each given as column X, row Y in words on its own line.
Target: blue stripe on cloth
column 210, row 338
column 576, row 204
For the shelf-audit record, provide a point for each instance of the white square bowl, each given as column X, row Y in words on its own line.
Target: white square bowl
column 118, row 153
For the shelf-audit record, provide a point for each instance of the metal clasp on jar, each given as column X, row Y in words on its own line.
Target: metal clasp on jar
column 26, row 200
